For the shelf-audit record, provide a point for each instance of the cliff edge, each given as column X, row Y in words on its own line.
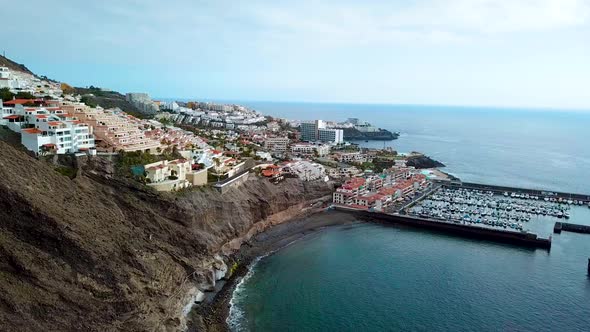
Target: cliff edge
column 98, row 253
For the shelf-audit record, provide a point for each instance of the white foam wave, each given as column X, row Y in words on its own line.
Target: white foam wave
column 236, row 318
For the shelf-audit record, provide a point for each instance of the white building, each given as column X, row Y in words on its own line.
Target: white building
column 307, row 149
column 347, row 157
column 264, row 155
column 276, row 144
column 174, row 175
column 305, row 170
column 52, row 131
column 5, row 78
column 309, row 130
column 335, row 136
column 4, row 73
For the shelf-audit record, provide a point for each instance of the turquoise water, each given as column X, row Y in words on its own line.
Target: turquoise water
column 376, row 278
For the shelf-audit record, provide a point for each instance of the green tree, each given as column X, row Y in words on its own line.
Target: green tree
column 5, row 94
column 24, row 95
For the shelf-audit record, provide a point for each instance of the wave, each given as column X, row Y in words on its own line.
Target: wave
column 236, row 317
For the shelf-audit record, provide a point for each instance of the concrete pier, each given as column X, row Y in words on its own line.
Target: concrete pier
column 568, row 227
column 469, row 231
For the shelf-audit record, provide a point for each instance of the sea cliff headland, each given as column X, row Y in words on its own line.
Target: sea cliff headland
column 79, row 261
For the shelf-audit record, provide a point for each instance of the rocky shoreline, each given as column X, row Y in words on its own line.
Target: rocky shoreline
column 212, row 314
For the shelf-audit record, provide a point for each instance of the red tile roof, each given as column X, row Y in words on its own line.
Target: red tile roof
column 354, row 183
column 18, row 101
column 12, row 117
column 32, row 131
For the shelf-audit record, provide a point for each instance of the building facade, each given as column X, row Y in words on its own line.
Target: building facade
column 114, row 129
column 334, row 136
column 276, row 144
column 307, row 149
column 174, row 175
column 48, row 130
column 309, row 130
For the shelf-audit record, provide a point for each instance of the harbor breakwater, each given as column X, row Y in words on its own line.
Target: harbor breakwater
column 569, row 227
column 518, row 238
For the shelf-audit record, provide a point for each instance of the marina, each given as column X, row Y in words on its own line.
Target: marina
column 486, row 208
column 502, row 214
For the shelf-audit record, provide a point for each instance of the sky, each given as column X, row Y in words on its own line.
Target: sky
column 517, row 53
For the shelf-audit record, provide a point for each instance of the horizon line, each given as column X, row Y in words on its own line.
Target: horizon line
column 496, row 107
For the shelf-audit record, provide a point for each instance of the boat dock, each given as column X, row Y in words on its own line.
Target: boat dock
column 568, row 227
column 585, row 199
column 489, row 212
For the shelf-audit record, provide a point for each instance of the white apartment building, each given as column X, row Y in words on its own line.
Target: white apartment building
column 50, row 130
column 347, row 157
column 307, row 149
column 305, row 170
column 334, row 136
column 276, row 144
column 309, row 130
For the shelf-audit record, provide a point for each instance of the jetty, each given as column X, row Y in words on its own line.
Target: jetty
column 569, row 227
column 465, row 230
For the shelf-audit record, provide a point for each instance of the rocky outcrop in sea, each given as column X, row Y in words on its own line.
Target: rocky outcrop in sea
column 353, row 134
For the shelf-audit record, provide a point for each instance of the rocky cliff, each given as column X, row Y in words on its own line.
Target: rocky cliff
column 98, row 253
column 5, row 62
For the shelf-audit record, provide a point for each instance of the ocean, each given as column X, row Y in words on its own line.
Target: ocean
column 376, row 278
column 540, row 149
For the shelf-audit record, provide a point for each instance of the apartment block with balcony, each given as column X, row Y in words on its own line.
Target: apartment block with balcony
column 114, row 129
column 50, row 130
column 276, row 144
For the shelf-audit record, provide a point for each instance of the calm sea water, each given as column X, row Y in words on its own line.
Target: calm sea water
column 521, row 148
column 376, row 278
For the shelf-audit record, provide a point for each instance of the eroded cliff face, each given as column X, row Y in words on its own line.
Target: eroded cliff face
column 97, row 253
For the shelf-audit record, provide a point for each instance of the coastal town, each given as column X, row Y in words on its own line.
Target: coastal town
column 170, row 154
column 193, row 144
column 178, row 146
column 210, row 166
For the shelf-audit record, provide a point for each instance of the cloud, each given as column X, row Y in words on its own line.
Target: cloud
column 332, row 24
column 274, row 26
column 498, row 16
